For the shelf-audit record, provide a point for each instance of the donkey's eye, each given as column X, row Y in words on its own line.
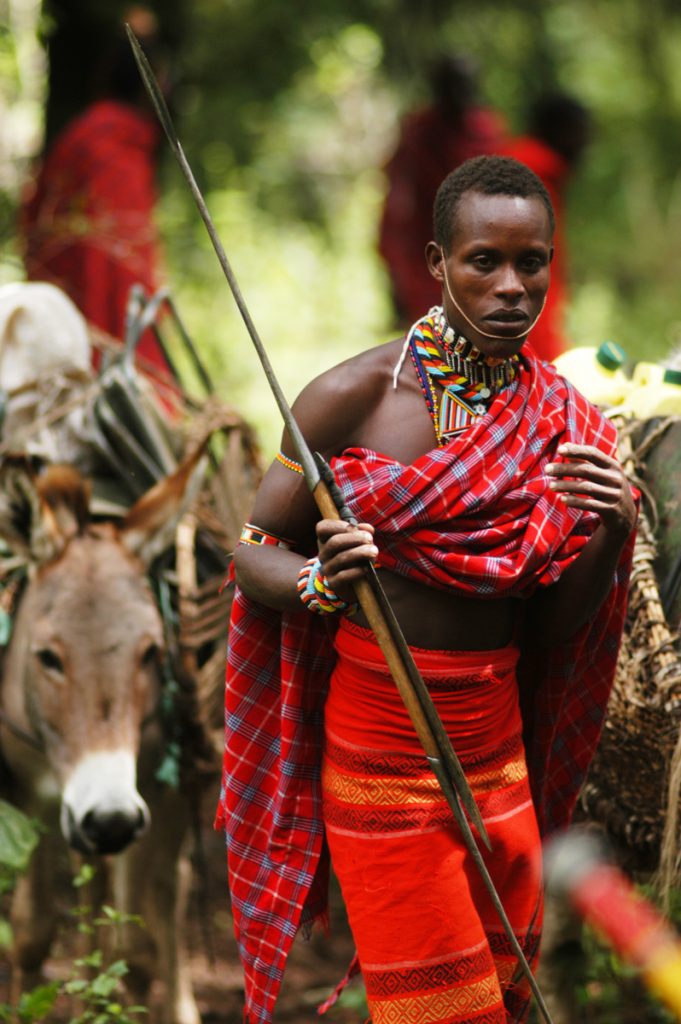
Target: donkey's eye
column 50, row 660
column 151, row 656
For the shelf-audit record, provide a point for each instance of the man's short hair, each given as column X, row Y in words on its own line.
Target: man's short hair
column 490, row 176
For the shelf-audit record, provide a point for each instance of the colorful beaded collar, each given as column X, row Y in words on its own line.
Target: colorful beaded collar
column 469, row 379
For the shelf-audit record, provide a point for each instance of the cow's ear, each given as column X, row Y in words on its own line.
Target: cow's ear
column 41, row 510
column 149, row 527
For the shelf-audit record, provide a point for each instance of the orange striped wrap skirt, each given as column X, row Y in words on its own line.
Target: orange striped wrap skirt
column 430, row 944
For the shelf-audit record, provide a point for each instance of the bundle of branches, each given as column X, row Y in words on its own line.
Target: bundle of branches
column 126, row 430
column 142, row 446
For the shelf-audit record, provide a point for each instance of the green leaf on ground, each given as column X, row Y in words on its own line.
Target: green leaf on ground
column 18, row 838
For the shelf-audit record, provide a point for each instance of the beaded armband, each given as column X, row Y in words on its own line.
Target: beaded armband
column 289, row 463
column 254, row 535
column 316, row 594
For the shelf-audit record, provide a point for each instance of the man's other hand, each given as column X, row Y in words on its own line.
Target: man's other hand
column 591, row 480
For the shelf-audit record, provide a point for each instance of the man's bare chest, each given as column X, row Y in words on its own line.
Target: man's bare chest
column 399, row 425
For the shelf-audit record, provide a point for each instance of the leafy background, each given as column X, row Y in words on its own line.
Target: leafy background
column 287, row 113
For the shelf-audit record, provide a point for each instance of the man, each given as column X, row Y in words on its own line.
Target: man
column 87, row 222
column 559, row 130
column 433, row 140
column 488, row 491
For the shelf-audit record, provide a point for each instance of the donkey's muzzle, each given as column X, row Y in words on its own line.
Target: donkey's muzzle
column 102, row 811
column 108, row 831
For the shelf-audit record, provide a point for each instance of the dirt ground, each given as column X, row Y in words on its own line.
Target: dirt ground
column 315, row 966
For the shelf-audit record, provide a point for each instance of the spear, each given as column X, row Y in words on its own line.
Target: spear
column 369, row 591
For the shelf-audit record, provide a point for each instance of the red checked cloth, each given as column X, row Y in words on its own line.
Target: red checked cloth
column 478, row 516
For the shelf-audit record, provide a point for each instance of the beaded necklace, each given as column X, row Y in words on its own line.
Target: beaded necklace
column 469, row 380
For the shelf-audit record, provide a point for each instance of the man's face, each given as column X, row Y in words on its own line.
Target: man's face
column 495, row 276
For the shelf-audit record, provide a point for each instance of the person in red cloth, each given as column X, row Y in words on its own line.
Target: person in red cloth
column 433, row 141
column 559, row 130
column 87, row 220
column 489, row 491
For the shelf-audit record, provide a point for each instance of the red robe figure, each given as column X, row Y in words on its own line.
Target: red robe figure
column 433, row 141
column 559, row 128
column 87, row 219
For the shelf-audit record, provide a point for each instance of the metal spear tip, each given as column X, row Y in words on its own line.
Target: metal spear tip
column 151, row 85
column 134, row 42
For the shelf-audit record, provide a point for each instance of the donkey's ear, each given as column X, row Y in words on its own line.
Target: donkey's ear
column 64, row 504
column 41, row 511
column 149, row 527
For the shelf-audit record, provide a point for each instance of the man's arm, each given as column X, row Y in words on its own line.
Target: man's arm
column 329, row 412
column 591, row 480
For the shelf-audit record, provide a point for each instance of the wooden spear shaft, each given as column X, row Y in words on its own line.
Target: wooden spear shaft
column 310, row 467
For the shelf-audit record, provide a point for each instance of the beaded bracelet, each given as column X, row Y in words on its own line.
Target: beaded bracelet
column 316, row 594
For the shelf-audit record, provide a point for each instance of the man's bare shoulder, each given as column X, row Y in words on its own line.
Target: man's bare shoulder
column 367, row 371
column 331, row 408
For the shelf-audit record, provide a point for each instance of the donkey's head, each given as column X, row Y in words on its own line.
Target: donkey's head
column 82, row 670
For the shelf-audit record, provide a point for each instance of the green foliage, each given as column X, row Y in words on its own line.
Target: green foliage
column 315, row 295
column 168, row 771
column 84, row 875
column 98, row 993
column 353, row 998
column 613, row 992
column 288, row 150
column 288, row 114
column 607, row 990
column 94, row 985
column 32, row 1006
column 8, row 61
column 18, row 839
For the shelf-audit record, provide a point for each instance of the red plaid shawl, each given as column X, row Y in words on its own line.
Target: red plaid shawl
column 476, row 515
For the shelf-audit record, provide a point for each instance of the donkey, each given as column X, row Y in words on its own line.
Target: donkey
column 80, row 737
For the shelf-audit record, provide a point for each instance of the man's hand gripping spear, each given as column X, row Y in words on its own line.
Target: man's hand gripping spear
column 369, row 592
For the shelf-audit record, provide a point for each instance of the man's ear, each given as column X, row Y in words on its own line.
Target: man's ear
column 435, row 261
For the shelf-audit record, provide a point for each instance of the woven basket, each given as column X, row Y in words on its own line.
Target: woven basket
column 628, row 788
